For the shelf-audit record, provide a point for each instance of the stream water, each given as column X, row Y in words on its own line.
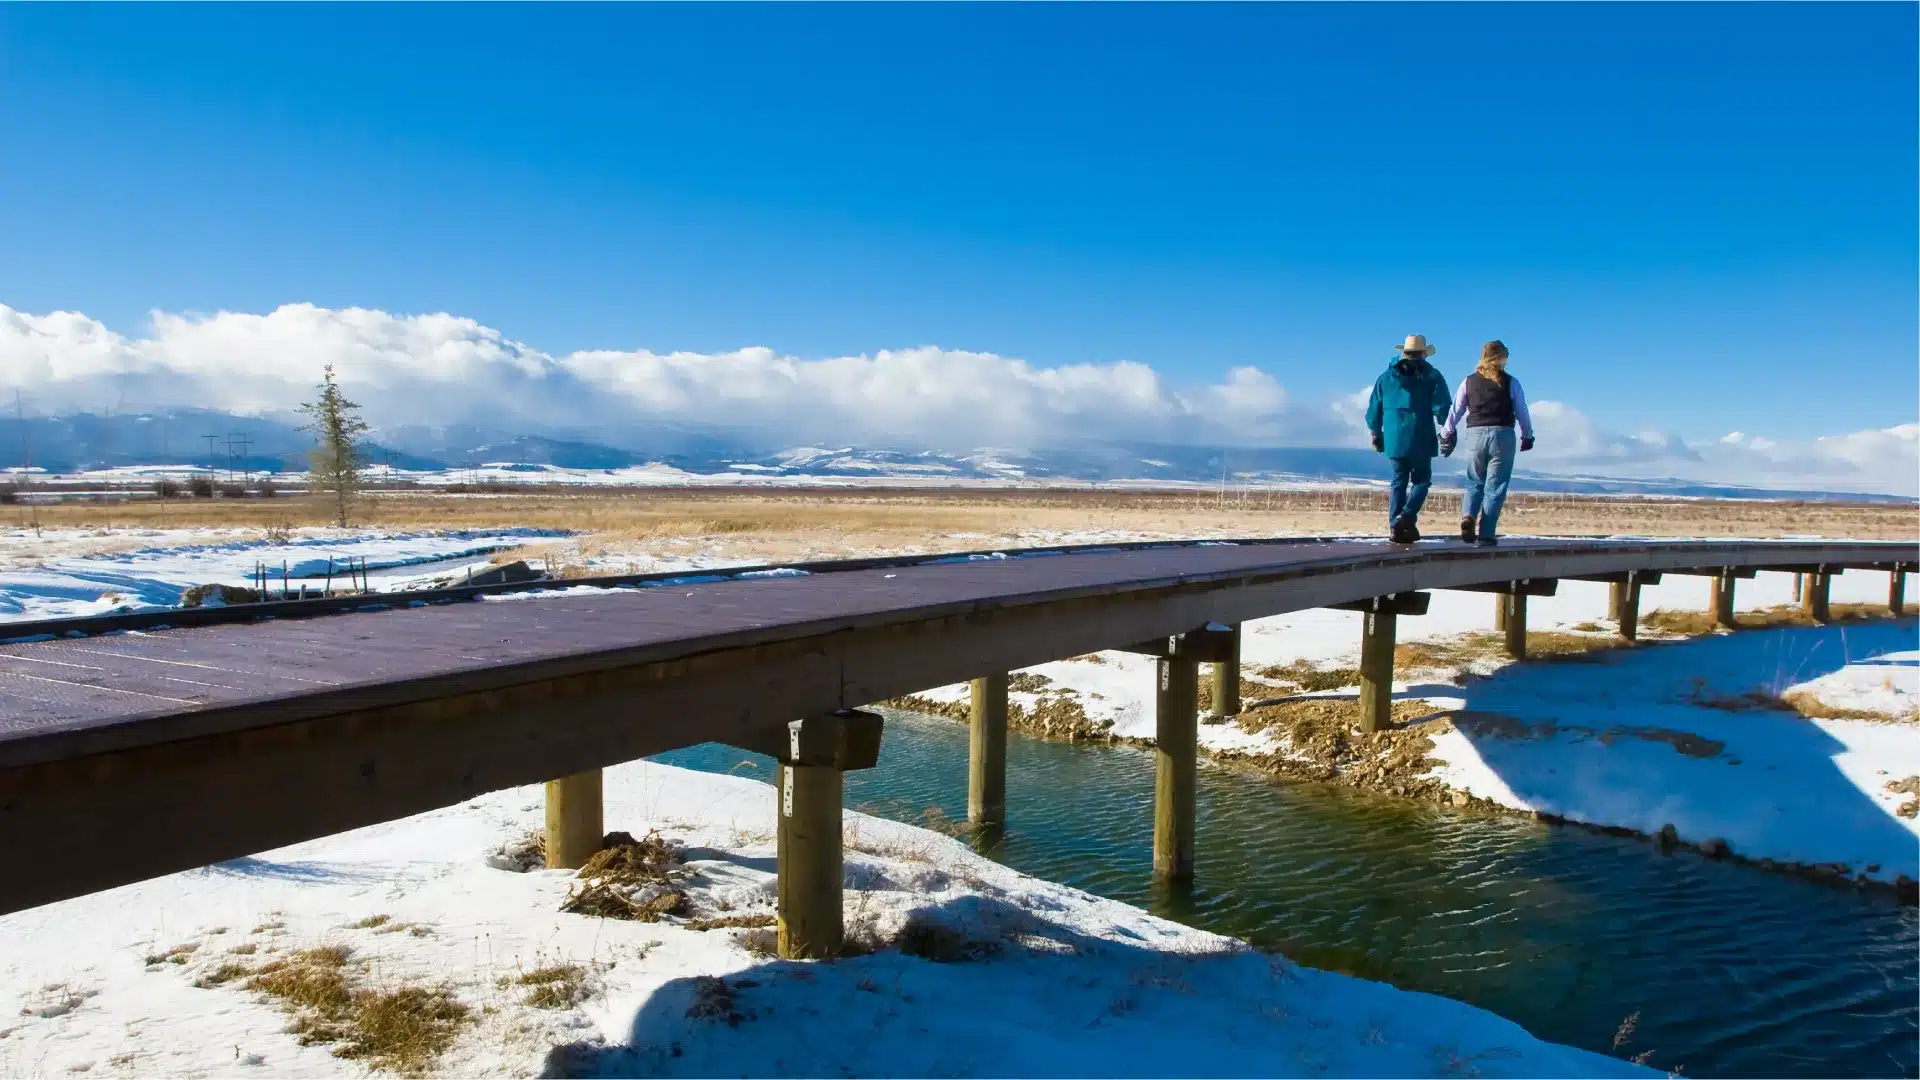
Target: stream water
column 1726, row 970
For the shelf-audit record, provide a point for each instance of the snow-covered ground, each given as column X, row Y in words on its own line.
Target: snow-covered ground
column 1602, row 741
column 56, row 574
column 1067, row 983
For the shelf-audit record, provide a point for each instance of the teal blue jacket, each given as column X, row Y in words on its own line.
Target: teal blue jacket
column 1409, row 399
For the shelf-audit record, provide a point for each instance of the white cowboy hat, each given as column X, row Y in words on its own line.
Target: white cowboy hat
column 1417, row 343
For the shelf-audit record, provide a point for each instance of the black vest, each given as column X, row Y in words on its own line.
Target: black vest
column 1489, row 403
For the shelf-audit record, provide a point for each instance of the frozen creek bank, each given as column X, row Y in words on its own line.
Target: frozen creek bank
column 977, row 970
column 1797, row 747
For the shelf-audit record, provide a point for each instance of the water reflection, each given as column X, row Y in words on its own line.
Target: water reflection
column 1727, row 970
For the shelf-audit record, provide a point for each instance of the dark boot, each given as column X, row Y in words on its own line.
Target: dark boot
column 1466, row 530
column 1401, row 533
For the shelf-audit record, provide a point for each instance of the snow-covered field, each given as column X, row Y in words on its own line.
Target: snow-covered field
column 55, row 574
column 1602, row 742
column 1075, row 985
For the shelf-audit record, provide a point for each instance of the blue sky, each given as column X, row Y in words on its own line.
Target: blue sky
column 1687, row 218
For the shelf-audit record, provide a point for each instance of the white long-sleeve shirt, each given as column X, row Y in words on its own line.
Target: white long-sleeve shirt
column 1459, row 412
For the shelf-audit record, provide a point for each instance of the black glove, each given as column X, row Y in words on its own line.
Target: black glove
column 1446, row 447
column 1526, row 442
column 1379, row 442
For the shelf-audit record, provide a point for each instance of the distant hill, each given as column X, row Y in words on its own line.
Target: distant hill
column 86, row 442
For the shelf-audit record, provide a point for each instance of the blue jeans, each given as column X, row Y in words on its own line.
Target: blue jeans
column 1408, row 492
column 1489, row 453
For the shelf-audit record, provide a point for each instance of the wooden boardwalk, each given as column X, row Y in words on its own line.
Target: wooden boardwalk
column 191, row 745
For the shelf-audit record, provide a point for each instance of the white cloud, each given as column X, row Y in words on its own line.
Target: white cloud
column 437, row 370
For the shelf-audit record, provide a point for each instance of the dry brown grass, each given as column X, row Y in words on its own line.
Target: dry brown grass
column 1800, row 701
column 1323, row 742
column 556, row 986
column 787, row 524
column 1458, row 653
column 1308, row 678
column 1693, row 623
column 1909, row 786
column 1055, row 714
column 629, row 879
column 179, row 954
column 402, row 1029
column 730, row 922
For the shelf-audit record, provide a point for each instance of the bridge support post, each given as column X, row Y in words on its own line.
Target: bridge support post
column 1799, row 586
column 1176, row 738
column 987, row 753
column 1819, row 586
column 1723, row 600
column 1500, row 612
column 1624, row 603
column 1897, row 592
column 1226, row 680
column 1514, row 604
column 574, row 823
column 1376, row 670
column 810, row 866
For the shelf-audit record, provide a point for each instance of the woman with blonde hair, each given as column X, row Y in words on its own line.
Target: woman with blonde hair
column 1491, row 403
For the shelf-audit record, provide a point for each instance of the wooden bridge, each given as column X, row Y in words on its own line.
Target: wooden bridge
column 129, row 750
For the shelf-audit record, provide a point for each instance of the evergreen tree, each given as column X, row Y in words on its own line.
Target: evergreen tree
column 335, row 463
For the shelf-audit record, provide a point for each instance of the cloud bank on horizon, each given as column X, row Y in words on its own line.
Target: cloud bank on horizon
column 437, row 370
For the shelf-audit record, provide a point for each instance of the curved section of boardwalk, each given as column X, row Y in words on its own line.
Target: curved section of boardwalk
column 179, row 748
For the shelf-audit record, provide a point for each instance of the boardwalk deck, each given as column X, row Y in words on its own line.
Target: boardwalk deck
column 235, row 738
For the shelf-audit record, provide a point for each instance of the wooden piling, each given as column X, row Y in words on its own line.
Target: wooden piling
column 1176, row 736
column 1897, row 592
column 1819, row 585
column 1515, row 624
column 1624, row 603
column 574, row 823
column 1723, row 600
column 809, row 863
column 1376, row 670
column 987, row 752
column 1500, row 611
column 1226, row 682
column 1799, row 586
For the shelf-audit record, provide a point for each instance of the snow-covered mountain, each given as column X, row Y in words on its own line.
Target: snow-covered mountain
column 85, row 442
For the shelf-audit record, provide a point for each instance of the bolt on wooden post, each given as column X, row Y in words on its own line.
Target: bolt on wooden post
column 575, row 826
column 987, row 752
column 1176, row 746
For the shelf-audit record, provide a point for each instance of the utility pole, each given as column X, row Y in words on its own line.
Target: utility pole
column 26, row 443
column 237, row 444
column 212, row 459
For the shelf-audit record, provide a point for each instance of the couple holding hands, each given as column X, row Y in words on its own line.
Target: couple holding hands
column 1410, row 398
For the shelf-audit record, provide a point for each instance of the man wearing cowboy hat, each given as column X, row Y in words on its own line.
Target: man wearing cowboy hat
column 1409, row 400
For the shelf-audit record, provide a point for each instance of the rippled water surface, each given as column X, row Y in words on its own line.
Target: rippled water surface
column 1728, row 970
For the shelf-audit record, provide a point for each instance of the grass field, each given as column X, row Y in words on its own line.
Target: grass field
column 790, row 523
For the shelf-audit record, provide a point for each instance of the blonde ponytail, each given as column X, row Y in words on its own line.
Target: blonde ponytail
column 1493, row 361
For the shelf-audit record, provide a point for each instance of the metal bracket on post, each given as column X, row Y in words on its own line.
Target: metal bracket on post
column 846, row 740
column 1406, row 603
column 815, row 754
column 1206, row 645
column 1521, row 587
